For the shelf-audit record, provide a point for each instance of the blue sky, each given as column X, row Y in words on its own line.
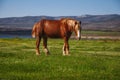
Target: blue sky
column 18, row 8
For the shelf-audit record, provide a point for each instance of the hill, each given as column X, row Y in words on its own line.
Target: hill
column 89, row 22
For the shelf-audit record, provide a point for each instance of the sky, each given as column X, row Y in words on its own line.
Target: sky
column 20, row 8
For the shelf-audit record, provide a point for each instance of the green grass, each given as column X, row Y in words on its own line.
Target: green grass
column 100, row 33
column 89, row 60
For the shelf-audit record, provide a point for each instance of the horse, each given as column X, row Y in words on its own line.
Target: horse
column 62, row 28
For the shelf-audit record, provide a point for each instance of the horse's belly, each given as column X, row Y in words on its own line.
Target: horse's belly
column 53, row 35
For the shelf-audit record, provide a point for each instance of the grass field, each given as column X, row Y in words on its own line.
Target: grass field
column 100, row 33
column 89, row 60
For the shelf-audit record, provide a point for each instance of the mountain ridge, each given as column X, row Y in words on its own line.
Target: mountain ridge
column 109, row 22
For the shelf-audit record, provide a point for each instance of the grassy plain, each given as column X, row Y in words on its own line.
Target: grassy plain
column 89, row 60
column 100, row 33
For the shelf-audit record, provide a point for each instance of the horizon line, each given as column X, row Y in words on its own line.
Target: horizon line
column 59, row 15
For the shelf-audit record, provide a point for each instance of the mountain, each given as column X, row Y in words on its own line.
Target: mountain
column 89, row 22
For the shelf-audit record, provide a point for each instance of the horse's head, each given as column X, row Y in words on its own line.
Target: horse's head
column 77, row 29
column 74, row 26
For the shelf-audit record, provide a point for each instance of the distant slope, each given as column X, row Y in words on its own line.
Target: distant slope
column 89, row 22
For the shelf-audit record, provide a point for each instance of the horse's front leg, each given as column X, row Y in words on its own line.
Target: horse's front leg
column 64, row 50
column 45, row 45
column 66, row 47
column 38, row 39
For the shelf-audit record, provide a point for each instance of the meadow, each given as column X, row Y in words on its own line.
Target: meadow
column 100, row 33
column 89, row 60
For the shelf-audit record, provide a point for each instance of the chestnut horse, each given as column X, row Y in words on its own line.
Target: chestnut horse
column 62, row 28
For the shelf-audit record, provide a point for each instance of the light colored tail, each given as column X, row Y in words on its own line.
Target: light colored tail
column 34, row 31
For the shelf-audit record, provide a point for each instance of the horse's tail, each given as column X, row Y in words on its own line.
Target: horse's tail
column 34, row 31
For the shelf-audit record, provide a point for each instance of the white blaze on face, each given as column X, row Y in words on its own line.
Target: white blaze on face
column 78, row 33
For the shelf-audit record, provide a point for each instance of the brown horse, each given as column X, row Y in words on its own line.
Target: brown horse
column 62, row 28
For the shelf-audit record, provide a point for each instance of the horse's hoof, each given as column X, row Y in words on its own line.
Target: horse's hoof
column 64, row 54
column 38, row 54
column 47, row 54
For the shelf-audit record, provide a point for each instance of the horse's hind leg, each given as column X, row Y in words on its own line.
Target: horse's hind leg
column 38, row 39
column 45, row 45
